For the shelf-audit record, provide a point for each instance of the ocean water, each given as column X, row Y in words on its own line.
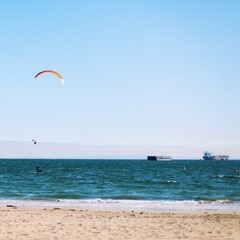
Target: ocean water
column 138, row 184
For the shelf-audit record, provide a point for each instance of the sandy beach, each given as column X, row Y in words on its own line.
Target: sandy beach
column 62, row 223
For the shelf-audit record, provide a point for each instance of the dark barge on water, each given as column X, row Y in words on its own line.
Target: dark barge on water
column 159, row 158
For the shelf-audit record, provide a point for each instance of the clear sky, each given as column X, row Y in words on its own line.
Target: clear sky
column 137, row 73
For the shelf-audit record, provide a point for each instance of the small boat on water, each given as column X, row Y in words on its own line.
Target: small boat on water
column 159, row 158
column 209, row 156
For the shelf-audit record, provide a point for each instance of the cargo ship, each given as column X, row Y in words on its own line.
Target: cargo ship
column 209, row 156
column 159, row 158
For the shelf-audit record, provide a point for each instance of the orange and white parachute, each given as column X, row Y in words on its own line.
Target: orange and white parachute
column 51, row 71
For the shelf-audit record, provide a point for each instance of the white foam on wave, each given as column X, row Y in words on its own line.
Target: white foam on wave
column 110, row 204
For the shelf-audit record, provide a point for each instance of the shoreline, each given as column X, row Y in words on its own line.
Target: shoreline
column 125, row 205
column 76, row 223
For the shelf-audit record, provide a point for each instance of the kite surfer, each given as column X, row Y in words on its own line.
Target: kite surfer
column 38, row 169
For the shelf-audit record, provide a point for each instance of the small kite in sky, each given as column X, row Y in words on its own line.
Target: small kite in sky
column 51, row 71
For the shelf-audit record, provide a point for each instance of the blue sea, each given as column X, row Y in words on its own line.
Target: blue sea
column 121, row 184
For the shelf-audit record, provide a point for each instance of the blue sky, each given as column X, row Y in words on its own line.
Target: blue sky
column 137, row 73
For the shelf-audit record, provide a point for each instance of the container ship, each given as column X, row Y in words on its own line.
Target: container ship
column 159, row 158
column 210, row 156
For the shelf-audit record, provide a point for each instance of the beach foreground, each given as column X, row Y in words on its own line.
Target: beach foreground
column 63, row 223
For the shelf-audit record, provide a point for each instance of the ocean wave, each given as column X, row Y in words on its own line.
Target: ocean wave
column 38, row 199
column 169, row 182
column 203, row 199
column 111, row 204
column 128, row 197
column 65, row 196
column 226, row 176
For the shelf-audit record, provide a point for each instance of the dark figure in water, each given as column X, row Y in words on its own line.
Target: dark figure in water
column 38, row 169
column 235, row 170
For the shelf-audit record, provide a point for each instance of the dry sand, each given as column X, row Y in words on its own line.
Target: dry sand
column 54, row 223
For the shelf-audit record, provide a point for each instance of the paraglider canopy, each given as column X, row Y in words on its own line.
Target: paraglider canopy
column 51, row 71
